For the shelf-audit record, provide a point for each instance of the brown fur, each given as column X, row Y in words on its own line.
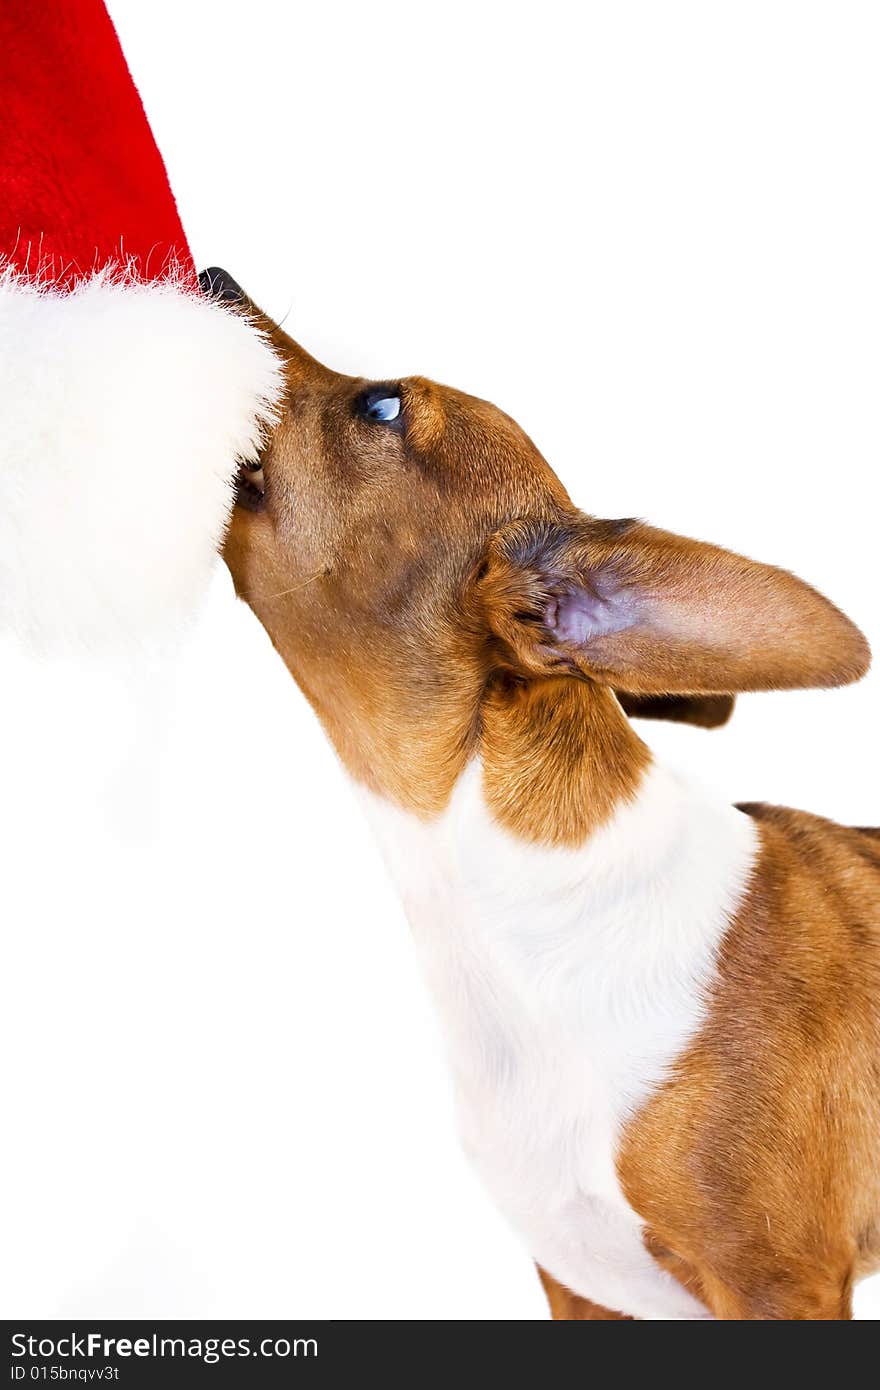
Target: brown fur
column 561, row 734
column 358, row 567
column 757, row 1163
column 419, row 583
column 698, row 619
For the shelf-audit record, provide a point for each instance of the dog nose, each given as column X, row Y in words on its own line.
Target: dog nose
column 217, row 283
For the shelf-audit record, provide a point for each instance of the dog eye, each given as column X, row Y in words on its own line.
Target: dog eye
column 380, row 404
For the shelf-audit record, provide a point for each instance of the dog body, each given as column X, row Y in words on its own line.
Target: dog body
column 662, row 1012
column 598, row 1006
column 569, row 981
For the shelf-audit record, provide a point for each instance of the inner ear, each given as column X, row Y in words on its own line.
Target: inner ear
column 596, row 607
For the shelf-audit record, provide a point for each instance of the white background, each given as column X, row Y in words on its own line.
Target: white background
column 648, row 231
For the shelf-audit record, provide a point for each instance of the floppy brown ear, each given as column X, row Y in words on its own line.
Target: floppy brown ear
column 652, row 613
column 705, row 711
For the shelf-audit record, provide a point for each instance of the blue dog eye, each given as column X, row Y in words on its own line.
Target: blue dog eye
column 382, row 405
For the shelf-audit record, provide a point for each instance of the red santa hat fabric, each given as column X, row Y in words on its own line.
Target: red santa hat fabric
column 127, row 398
column 83, row 183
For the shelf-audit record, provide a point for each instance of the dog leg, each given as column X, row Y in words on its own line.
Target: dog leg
column 807, row 1300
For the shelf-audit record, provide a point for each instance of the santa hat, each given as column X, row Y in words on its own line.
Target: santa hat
column 128, row 398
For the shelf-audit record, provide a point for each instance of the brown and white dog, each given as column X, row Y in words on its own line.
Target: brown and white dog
column 662, row 1011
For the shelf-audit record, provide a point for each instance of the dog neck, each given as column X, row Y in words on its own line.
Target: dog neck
column 561, row 820
column 653, row 882
column 558, row 755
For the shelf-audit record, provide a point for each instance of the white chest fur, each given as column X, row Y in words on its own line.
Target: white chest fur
column 567, row 982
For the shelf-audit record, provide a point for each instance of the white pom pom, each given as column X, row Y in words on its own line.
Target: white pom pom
column 125, row 408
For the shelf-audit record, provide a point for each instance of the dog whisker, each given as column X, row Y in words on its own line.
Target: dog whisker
column 283, row 592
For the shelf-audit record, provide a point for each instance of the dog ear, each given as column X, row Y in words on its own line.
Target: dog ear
column 652, row 613
column 704, row 711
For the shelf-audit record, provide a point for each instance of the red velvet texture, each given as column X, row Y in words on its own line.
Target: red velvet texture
column 82, row 183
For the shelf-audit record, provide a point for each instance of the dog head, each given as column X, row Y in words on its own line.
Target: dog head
column 407, row 548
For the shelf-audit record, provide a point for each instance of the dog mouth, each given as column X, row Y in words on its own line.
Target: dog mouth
column 250, row 489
